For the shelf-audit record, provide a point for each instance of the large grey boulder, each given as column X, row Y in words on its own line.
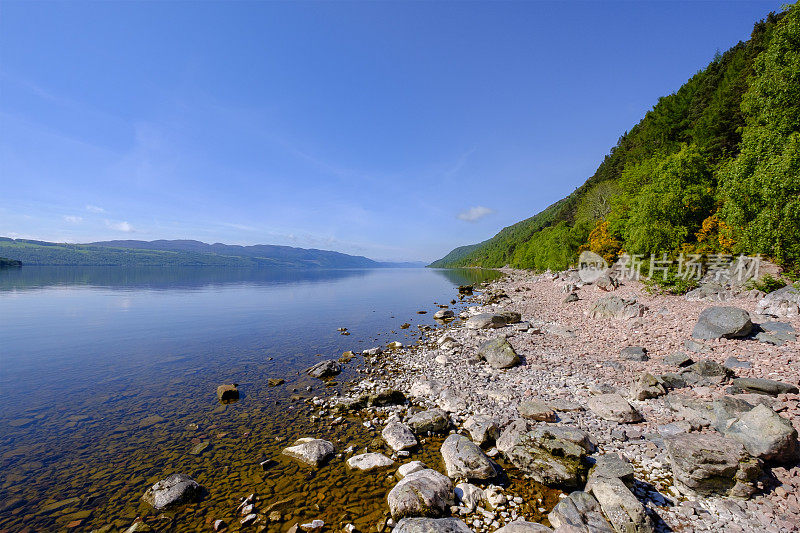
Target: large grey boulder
column 464, row 459
column 614, row 407
column 432, row 420
column 324, row 369
column 498, row 353
column 421, row 493
column 398, row 436
column 521, row 526
column 722, row 323
column 431, row 525
column 173, row 490
column 616, row 308
column 579, row 511
column 550, row 455
column 313, row 452
column 783, row 302
column 619, row 505
column 369, row 461
column 763, row 386
column 486, row 321
column 483, row 429
column 611, row 465
column 765, row 434
column 711, row 464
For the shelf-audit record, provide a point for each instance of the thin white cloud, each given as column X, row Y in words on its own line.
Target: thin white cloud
column 95, row 209
column 72, row 219
column 120, row 226
column 242, row 227
column 473, row 214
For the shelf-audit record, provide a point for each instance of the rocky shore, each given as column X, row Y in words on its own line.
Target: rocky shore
column 648, row 412
column 547, row 403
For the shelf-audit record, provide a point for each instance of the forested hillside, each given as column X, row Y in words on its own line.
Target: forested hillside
column 712, row 168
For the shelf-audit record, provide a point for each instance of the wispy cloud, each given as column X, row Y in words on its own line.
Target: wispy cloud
column 242, row 227
column 120, row 226
column 95, row 209
column 473, row 214
column 73, row 219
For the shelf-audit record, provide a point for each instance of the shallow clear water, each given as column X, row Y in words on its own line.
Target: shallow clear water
column 108, row 378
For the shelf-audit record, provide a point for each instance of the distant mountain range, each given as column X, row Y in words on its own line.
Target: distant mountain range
column 180, row 253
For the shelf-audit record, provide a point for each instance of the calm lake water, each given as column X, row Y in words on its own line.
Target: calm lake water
column 108, row 378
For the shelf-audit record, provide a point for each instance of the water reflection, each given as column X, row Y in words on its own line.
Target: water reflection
column 104, row 371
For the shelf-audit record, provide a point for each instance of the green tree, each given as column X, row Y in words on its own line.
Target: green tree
column 761, row 186
column 665, row 202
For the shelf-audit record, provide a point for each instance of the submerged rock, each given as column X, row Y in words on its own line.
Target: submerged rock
column 228, row 393
column 174, row 490
column 324, row 369
column 431, row 525
column 521, row 526
column 314, row 452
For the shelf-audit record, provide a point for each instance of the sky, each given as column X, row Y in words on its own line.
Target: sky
column 395, row 130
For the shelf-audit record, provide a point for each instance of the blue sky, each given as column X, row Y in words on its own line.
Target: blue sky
column 393, row 130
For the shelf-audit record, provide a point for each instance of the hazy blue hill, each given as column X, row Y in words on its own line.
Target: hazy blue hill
column 178, row 253
column 258, row 252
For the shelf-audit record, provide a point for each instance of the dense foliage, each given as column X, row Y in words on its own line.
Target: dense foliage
column 712, row 168
column 9, row 263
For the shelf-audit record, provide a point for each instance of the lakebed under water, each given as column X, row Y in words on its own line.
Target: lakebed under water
column 108, row 378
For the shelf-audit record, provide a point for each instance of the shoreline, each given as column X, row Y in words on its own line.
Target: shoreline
column 569, row 358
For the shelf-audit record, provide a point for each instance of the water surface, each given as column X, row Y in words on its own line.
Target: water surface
column 108, row 378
